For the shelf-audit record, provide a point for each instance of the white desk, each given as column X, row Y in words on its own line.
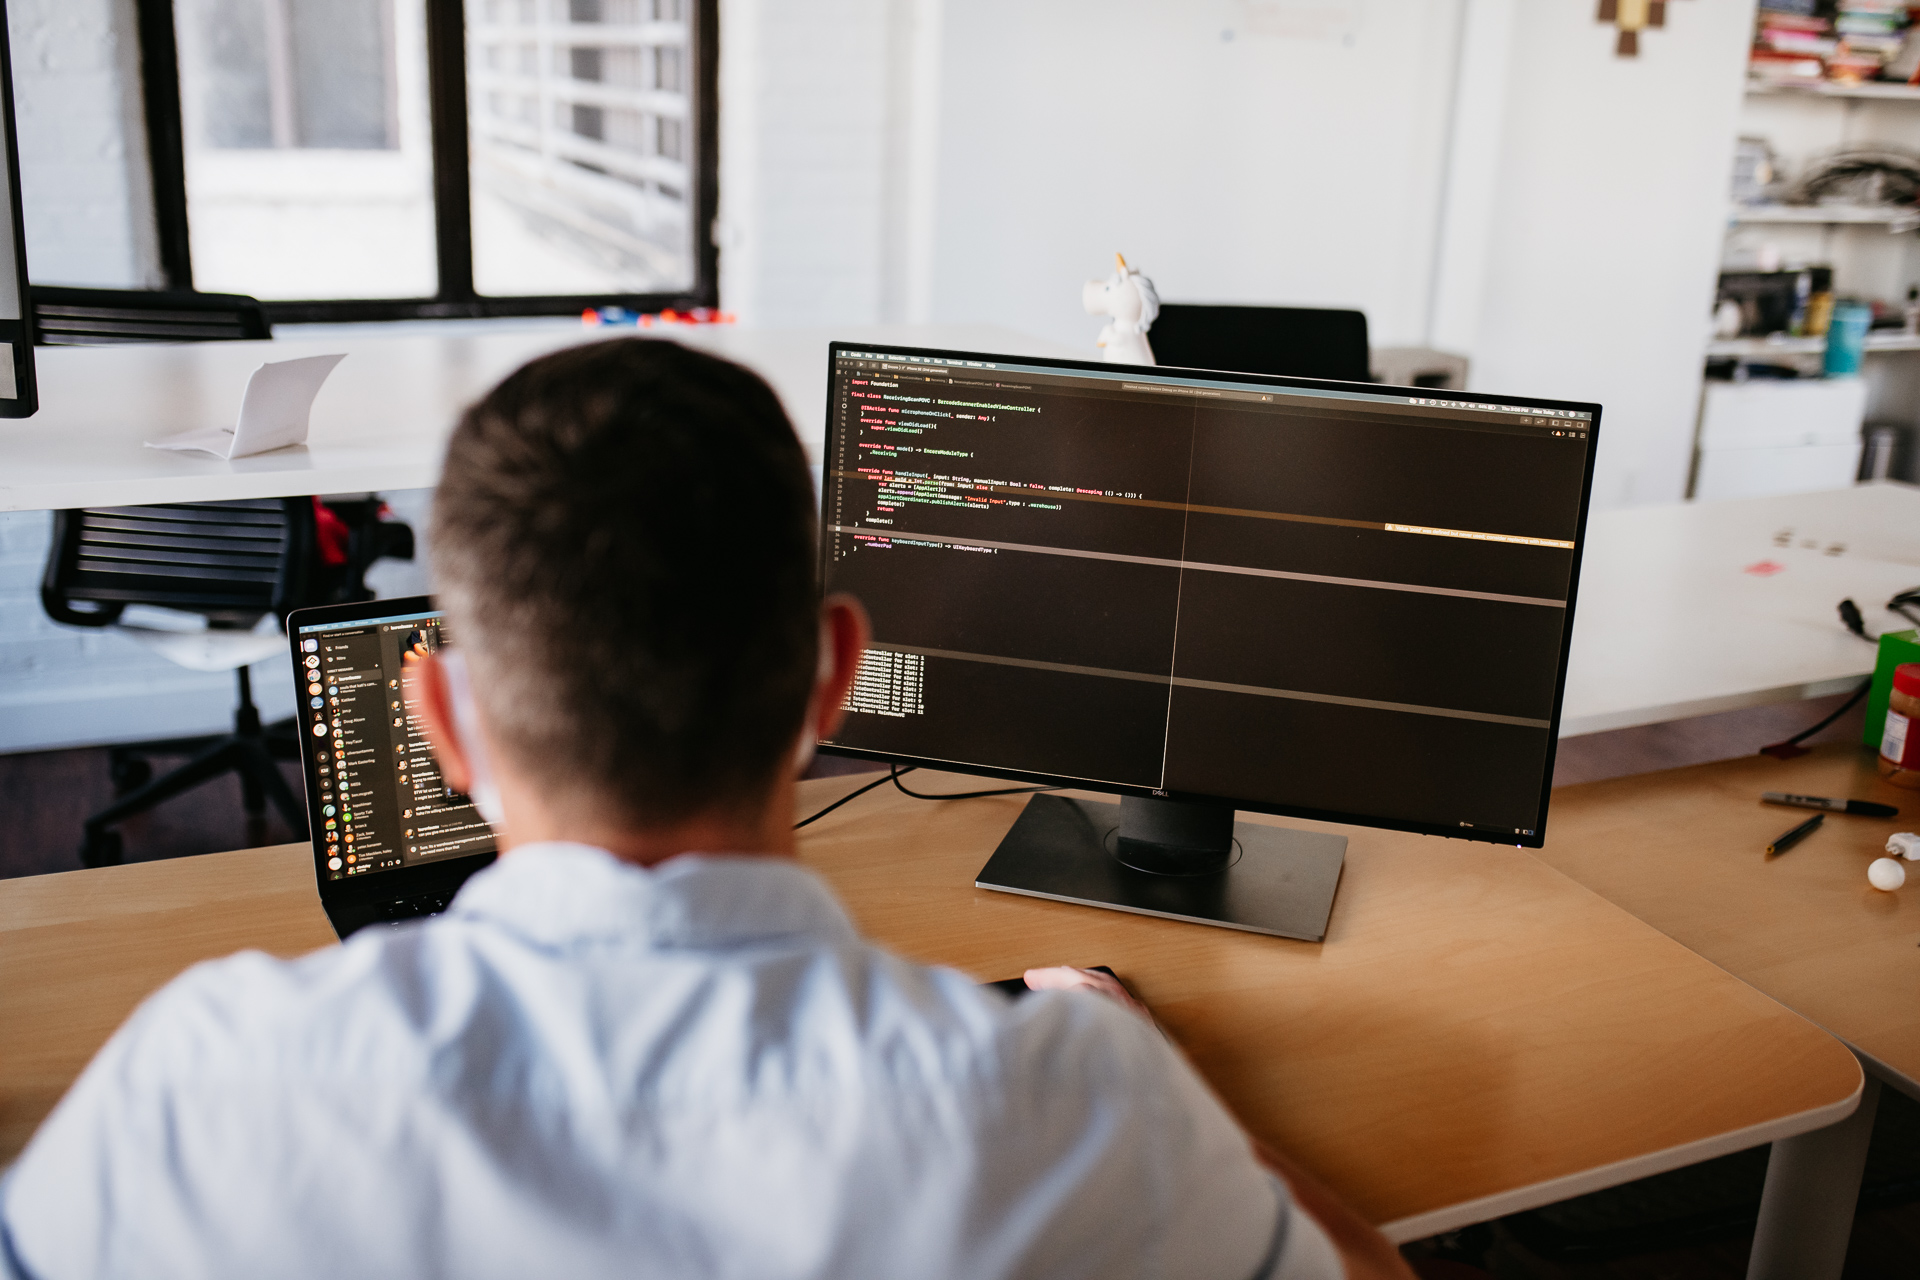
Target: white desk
column 1670, row 622
column 381, row 421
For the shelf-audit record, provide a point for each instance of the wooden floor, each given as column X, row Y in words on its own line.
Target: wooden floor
column 46, row 796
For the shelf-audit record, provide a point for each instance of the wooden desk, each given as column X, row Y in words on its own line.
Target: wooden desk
column 79, row 949
column 1683, row 849
column 1477, row 1035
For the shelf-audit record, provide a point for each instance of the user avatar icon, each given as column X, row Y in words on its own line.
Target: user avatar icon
column 319, row 730
column 312, row 662
column 309, row 645
column 333, row 864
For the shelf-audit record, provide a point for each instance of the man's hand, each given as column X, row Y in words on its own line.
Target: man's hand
column 1062, row 977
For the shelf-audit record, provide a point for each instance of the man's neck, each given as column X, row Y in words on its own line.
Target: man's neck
column 765, row 829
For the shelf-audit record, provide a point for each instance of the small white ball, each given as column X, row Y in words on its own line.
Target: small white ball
column 1886, row 873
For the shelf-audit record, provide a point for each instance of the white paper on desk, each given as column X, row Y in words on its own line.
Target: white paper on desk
column 272, row 416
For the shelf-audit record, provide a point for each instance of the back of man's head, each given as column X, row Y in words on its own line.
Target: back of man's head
column 623, row 542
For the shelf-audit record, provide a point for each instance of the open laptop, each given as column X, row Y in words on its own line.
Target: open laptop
column 391, row 840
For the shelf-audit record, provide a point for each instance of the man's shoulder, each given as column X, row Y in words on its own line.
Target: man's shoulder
column 236, row 1010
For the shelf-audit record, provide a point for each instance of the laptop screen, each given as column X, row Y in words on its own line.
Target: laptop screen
column 379, row 800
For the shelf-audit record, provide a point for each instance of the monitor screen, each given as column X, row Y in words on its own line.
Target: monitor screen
column 1331, row 600
column 376, row 795
column 19, row 394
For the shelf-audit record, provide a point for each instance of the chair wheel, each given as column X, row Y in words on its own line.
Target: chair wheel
column 102, row 849
column 130, row 773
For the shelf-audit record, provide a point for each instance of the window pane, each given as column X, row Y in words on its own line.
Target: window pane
column 582, row 134
column 308, row 153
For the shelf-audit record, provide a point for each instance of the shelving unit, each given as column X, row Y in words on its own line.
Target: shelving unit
column 1806, row 346
column 1828, row 215
column 1829, row 89
column 1874, row 255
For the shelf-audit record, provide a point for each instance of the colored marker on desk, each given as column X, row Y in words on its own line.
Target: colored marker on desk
column 1858, row 808
column 1783, row 843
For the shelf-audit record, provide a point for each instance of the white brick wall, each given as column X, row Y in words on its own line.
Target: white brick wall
column 83, row 148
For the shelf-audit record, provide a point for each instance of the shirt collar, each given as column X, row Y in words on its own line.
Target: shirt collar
column 561, row 893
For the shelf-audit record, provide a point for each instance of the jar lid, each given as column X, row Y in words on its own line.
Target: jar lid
column 1906, row 679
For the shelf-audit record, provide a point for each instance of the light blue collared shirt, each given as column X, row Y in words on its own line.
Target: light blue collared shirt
column 586, row 1068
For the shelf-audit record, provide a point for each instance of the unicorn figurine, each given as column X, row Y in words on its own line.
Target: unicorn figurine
column 1128, row 301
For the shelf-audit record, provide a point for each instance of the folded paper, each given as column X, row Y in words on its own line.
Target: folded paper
column 272, row 416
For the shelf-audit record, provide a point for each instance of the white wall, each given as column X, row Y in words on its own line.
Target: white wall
column 84, row 183
column 1235, row 152
column 1480, row 175
column 816, row 150
column 1606, row 220
column 914, row 159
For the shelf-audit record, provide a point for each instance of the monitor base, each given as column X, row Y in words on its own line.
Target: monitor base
column 1281, row 881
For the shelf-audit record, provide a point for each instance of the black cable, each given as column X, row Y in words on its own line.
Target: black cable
column 967, row 795
column 1851, row 619
column 854, row 795
column 1790, row 747
column 1903, row 604
column 894, row 773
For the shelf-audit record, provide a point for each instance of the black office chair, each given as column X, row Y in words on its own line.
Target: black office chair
column 67, row 317
column 234, row 563
column 1288, row 342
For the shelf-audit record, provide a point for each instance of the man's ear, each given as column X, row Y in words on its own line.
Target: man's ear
column 430, row 697
column 845, row 631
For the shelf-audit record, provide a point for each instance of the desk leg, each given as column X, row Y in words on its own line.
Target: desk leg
column 1813, row 1187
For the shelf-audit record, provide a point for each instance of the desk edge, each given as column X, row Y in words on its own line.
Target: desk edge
column 1579, row 726
column 1487, row 1208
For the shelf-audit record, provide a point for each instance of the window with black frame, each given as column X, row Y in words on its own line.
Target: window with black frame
column 395, row 158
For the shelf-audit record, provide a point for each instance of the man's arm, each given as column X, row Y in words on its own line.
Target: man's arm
column 1366, row 1253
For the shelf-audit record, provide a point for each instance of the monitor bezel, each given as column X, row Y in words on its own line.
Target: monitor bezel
column 835, row 352
column 421, row 880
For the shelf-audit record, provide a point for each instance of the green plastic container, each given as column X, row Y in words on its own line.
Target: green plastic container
column 1896, row 647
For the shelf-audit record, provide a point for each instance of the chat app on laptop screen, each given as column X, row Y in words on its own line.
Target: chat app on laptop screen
column 381, row 800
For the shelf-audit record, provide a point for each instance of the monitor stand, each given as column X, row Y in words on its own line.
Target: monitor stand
column 1173, row 859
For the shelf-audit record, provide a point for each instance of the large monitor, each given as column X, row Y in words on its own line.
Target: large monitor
column 1205, row 592
column 19, row 391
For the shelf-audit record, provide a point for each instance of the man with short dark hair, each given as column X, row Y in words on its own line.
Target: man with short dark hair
column 645, row 1041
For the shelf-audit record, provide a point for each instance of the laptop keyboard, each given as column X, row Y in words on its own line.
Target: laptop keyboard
column 416, row 908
